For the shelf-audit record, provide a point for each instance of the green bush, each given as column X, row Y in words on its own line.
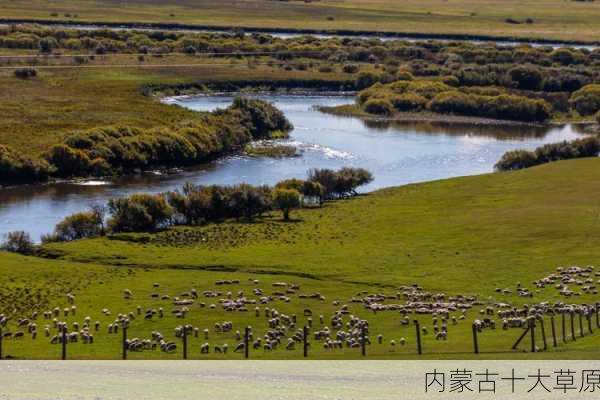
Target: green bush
column 518, row 159
column 18, row 242
column 286, row 200
column 379, row 107
column 79, row 225
column 526, row 77
column 408, row 102
column 17, row 168
column 138, row 213
column 454, row 102
column 366, row 79
column 586, row 100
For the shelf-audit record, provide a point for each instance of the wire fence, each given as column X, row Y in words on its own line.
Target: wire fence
column 564, row 327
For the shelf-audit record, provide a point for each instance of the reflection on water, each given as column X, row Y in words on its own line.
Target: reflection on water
column 396, row 154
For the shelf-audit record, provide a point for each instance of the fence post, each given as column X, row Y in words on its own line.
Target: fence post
column 581, row 324
column 564, row 327
column 64, row 342
column 124, row 349
column 1, row 337
column 363, row 340
column 542, row 325
column 305, row 339
column 532, row 329
column 553, row 328
column 475, row 343
column 597, row 317
column 247, row 342
column 185, row 347
column 573, row 326
column 589, row 319
column 419, row 347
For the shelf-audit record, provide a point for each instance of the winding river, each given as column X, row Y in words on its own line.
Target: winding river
column 396, row 154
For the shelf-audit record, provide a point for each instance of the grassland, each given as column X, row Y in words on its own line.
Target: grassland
column 459, row 236
column 552, row 19
column 40, row 112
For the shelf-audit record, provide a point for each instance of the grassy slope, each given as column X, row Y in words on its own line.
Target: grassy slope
column 466, row 235
column 39, row 112
column 553, row 18
column 472, row 233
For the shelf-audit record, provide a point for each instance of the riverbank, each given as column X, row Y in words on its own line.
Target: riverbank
column 354, row 111
column 395, row 35
column 548, row 19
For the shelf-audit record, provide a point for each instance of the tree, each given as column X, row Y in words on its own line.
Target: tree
column 79, row 225
column 286, row 200
column 18, row 242
column 138, row 213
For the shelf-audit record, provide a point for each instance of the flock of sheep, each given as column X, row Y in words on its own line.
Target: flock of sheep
column 342, row 329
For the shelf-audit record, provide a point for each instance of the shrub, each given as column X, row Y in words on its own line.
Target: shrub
column 286, row 200
column 518, row 159
column 526, row 77
column 379, row 107
column 16, row 168
column 79, row 226
column 18, row 242
column 340, row 183
column 139, row 212
column 408, row 102
column 404, row 75
column 454, row 102
column 366, row 79
column 586, row 100
column 68, row 161
column 25, row 73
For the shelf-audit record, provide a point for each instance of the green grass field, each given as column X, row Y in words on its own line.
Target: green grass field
column 459, row 236
column 552, row 19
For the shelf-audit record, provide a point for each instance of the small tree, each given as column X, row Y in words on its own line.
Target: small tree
column 18, row 242
column 286, row 200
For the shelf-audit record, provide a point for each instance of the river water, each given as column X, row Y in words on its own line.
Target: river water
column 396, row 154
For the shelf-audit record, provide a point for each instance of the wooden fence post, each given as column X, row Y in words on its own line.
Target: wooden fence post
column 185, row 344
column 543, row 327
column 553, row 328
column 532, row 331
column 597, row 317
column 363, row 340
column 564, row 327
column 589, row 320
column 581, row 324
column 573, row 325
column 124, row 344
column 305, row 341
column 64, row 341
column 419, row 346
column 247, row 342
column 475, row 343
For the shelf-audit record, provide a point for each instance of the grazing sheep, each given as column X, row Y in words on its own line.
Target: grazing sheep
column 127, row 294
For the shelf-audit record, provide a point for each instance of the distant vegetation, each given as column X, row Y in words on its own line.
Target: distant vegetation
column 118, row 150
column 519, row 159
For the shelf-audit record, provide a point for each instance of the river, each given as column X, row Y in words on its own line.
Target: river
column 396, row 154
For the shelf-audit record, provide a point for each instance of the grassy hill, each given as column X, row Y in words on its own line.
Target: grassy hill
column 551, row 19
column 465, row 236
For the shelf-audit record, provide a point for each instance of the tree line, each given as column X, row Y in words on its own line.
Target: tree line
column 122, row 149
column 578, row 148
column 199, row 205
